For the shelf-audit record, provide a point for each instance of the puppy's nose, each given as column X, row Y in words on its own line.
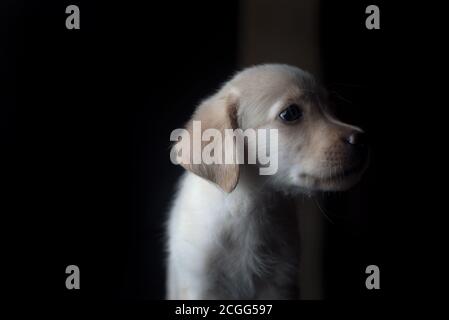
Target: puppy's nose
column 356, row 139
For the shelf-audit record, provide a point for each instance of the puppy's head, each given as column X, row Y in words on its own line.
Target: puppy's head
column 315, row 150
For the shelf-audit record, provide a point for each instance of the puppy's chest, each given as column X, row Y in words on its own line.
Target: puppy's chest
column 253, row 253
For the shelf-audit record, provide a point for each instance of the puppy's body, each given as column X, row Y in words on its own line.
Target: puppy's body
column 232, row 233
column 241, row 249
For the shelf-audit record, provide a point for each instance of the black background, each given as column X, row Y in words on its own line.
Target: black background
column 86, row 117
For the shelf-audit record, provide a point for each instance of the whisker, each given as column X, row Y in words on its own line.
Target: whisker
column 322, row 210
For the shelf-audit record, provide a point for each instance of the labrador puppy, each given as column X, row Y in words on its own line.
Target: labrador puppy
column 232, row 232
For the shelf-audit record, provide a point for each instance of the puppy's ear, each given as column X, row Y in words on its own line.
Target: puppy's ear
column 218, row 112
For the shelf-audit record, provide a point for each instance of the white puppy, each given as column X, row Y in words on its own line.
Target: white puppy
column 232, row 233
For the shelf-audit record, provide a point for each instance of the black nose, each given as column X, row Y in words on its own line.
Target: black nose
column 356, row 139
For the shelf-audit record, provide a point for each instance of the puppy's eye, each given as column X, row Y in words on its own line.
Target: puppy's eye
column 292, row 113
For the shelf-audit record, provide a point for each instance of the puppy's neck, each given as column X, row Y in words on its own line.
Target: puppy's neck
column 253, row 191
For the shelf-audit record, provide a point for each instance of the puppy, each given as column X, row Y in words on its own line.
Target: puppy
column 232, row 232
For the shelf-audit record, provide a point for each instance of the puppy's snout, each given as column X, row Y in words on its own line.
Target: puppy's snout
column 356, row 139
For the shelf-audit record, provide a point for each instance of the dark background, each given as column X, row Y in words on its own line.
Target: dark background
column 86, row 116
